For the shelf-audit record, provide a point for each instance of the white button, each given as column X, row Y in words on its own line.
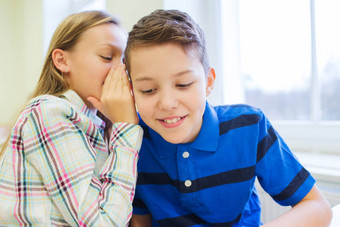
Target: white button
column 186, row 154
column 187, row 183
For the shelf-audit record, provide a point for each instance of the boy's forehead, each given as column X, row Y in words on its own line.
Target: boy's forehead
column 163, row 59
column 169, row 47
column 171, row 51
column 147, row 46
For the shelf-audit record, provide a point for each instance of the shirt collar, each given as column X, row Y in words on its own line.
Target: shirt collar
column 207, row 139
column 75, row 99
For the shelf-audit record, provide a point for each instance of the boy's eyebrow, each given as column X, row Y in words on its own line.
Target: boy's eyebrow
column 143, row 79
column 176, row 75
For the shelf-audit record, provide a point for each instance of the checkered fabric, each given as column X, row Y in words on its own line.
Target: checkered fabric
column 57, row 169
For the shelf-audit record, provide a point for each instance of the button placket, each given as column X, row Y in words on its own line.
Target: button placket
column 186, row 177
column 186, row 155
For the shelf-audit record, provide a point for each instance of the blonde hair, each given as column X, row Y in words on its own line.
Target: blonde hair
column 65, row 37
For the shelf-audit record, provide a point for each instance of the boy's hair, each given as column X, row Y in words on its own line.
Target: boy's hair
column 65, row 37
column 163, row 26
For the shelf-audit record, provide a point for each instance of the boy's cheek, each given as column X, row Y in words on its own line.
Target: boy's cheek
column 141, row 108
column 141, row 105
column 137, row 99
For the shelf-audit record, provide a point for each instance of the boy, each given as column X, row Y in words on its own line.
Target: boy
column 198, row 163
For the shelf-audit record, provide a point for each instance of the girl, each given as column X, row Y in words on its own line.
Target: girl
column 63, row 164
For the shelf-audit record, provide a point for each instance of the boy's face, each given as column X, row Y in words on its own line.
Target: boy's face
column 170, row 89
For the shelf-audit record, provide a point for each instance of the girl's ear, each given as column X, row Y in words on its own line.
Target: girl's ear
column 59, row 58
column 210, row 81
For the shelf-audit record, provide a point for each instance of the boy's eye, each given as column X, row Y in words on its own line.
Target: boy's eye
column 184, row 85
column 149, row 91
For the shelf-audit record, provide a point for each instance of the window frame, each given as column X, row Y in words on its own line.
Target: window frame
column 314, row 137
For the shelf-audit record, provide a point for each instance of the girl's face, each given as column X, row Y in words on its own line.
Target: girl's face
column 89, row 61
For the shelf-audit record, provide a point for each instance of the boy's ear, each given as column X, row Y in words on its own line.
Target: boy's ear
column 59, row 58
column 210, row 81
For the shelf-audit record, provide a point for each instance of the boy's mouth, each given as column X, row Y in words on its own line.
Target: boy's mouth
column 172, row 121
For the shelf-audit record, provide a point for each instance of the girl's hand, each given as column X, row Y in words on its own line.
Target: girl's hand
column 117, row 102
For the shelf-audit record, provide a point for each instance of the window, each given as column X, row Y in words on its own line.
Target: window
column 290, row 57
column 284, row 57
column 327, row 20
column 274, row 52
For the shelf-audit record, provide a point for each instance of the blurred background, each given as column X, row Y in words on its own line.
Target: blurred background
column 280, row 55
column 283, row 56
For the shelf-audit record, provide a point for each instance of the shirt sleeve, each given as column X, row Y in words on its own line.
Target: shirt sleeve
column 278, row 170
column 63, row 147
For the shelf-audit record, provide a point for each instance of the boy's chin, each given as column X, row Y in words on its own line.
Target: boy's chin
column 174, row 139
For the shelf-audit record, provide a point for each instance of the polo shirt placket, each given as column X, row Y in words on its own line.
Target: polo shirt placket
column 187, row 178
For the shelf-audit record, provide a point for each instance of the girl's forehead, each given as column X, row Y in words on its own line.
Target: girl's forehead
column 105, row 34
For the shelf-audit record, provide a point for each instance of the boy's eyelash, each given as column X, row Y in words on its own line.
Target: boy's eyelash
column 150, row 91
column 184, row 85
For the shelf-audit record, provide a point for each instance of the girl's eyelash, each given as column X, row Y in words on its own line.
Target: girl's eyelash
column 106, row 58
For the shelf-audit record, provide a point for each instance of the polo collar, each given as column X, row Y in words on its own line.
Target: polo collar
column 207, row 139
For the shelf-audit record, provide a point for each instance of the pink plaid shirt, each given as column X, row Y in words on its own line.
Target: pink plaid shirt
column 58, row 170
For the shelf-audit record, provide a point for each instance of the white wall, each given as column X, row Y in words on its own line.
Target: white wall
column 20, row 53
column 130, row 11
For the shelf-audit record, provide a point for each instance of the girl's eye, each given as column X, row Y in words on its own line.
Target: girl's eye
column 184, row 85
column 107, row 58
column 148, row 92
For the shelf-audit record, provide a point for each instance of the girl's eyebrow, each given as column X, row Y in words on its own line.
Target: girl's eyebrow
column 113, row 46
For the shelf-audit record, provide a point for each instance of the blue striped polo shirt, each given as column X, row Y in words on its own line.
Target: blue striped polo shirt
column 210, row 182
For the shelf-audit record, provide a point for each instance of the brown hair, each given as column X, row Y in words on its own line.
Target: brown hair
column 162, row 26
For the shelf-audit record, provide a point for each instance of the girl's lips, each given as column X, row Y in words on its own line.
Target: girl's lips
column 172, row 122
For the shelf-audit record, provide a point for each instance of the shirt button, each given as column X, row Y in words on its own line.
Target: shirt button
column 186, row 154
column 187, row 183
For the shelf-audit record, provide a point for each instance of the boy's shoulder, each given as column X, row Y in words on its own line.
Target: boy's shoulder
column 226, row 112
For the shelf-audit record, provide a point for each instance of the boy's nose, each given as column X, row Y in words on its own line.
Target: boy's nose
column 168, row 101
